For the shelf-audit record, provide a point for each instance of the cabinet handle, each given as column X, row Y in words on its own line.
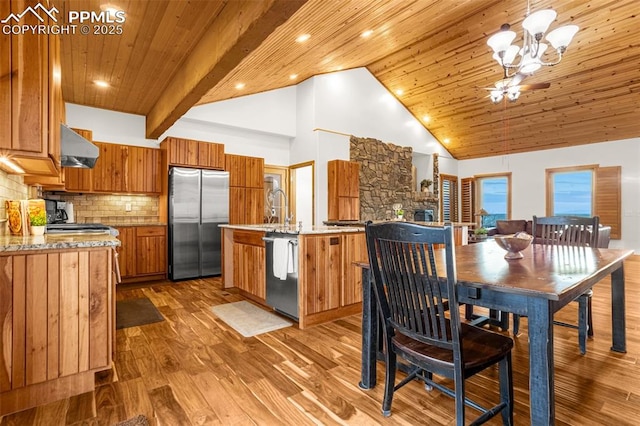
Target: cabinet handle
column 334, row 241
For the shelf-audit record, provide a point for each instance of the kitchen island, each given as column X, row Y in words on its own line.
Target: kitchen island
column 57, row 316
column 329, row 285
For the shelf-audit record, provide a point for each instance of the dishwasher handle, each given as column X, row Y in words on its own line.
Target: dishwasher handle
column 270, row 240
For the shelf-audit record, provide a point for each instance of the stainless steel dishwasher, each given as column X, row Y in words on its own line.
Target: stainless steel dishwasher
column 282, row 294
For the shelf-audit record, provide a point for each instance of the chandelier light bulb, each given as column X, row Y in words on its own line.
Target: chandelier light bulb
column 501, row 41
column 496, row 96
column 538, row 22
column 562, row 36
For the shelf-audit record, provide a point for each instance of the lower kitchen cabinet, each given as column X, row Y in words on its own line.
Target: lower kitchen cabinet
column 330, row 285
column 249, row 273
column 56, row 324
column 143, row 253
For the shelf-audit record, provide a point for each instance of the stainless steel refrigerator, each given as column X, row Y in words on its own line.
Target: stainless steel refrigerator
column 198, row 203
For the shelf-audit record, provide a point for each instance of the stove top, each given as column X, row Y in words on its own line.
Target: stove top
column 78, row 228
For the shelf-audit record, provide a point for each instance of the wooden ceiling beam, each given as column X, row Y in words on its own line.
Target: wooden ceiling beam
column 239, row 29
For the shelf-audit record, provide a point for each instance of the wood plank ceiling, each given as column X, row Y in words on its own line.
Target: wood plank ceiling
column 434, row 51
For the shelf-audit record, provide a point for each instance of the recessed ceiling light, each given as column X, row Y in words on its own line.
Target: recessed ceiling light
column 240, row 86
column 101, row 83
column 293, row 76
column 399, row 92
column 303, row 38
column 426, row 118
column 446, row 141
column 366, row 34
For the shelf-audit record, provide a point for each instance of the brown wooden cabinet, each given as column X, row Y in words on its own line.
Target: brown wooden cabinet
column 249, row 273
column 330, row 285
column 143, row 170
column 109, row 171
column 344, row 190
column 192, row 153
column 246, row 189
column 143, row 252
column 76, row 178
column 56, row 324
column 31, row 106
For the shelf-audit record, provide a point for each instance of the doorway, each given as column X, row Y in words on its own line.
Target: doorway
column 302, row 193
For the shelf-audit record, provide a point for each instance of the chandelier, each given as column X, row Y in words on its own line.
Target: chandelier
column 531, row 53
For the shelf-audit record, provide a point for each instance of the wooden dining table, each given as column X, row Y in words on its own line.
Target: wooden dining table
column 538, row 285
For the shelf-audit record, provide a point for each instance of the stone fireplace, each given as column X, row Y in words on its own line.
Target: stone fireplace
column 386, row 179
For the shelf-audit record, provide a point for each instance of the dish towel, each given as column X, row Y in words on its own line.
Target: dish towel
column 280, row 257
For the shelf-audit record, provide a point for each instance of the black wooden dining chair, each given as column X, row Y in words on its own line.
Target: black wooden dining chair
column 569, row 231
column 417, row 326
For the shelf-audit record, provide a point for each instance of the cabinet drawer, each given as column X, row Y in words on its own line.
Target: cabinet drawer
column 150, row 231
column 248, row 237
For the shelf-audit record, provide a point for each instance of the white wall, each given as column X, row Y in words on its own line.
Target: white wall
column 528, row 178
column 109, row 126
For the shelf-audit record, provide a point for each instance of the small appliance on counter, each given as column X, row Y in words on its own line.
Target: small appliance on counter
column 56, row 211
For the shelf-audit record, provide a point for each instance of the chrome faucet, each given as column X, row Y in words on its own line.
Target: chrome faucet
column 287, row 218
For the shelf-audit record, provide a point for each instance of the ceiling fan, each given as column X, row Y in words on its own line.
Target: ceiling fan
column 510, row 88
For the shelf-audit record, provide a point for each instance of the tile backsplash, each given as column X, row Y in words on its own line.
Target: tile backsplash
column 111, row 209
column 12, row 187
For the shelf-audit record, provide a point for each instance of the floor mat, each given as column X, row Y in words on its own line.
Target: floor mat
column 248, row 319
column 135, row 312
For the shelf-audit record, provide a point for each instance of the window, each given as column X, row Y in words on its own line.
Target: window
column 588, row 190
column 449, row 197
column 494, row 196
column 571, row 191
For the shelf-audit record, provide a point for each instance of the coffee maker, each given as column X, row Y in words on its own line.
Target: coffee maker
column 56, row 211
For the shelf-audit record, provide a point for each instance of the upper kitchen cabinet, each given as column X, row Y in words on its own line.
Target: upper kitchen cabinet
column 192, row 153
column 143, row 170
column 31, row 105
column 109, row 171
column 79, row 179
column 246, row 182
column 344, row 190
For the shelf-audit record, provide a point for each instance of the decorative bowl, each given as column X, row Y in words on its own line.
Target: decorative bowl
column 514, row 244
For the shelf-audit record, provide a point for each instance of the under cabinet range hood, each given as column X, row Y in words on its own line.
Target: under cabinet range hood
column 76, row 151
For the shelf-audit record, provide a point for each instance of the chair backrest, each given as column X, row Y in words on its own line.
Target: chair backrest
column 567, row 230
column 412, row 298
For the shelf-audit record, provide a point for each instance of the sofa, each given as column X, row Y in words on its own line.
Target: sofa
column 508, row 227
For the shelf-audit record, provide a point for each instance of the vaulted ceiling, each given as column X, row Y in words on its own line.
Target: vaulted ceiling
column 432, row 54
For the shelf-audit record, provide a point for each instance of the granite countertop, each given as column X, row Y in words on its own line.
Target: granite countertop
column 291, row 229
column 354, row 223
column 56, row 242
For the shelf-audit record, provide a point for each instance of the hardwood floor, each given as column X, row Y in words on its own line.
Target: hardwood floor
column 192, row 369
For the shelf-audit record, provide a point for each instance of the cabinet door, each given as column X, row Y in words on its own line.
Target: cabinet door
column 5, row 84
column 77, row 179
column 236, row 165
column 355, row 249
column 127, row 251
column 151, row 250
column 237, row 203
column 109, row 171
column 322, row 272
column 182, row 152
column 254, row 172
column 348, row 208
column 61, row 315
column 249, row 269
column 29, row 86
column 143, row 170
column 211, row 155
column 254, row 205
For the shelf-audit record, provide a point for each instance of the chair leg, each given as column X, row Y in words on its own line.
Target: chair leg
column 516, row 324
column 460, row 395
column 389, row 381
column 590, row 317
column 506, row 389
column 583, row 320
